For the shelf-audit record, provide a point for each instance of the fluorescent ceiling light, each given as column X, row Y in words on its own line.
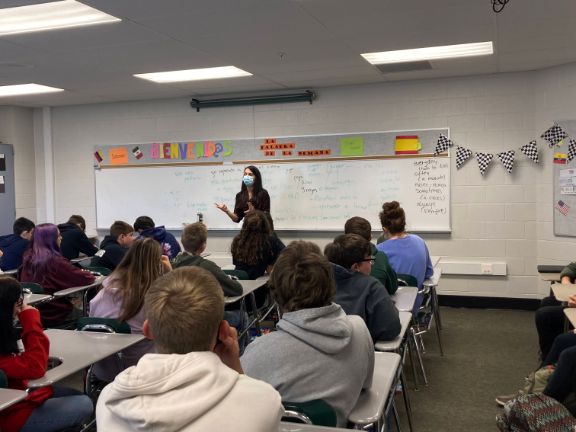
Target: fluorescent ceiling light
column 194, row 74
column 26, row 89
column 50, row 16
column 430, row 53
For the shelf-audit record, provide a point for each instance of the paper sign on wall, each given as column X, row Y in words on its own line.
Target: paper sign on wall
column 352, row 146
column 119, row 156
column 2, row 162
column 2, row 185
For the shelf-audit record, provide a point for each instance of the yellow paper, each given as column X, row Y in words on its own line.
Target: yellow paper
column 352, row 146
column 119, row 156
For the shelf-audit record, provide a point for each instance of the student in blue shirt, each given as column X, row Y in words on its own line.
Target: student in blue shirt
column 14, row 245
column 407, row 253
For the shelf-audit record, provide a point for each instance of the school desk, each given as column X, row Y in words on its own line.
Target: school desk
column 374, row 404
column 571, row 315
column 77, row 350
column 398, row 345
column 562, row 292
column 431, row 285
column 81, row 290
column 248, row 288
column 9, row 272
column 404, row 298
column 9, row 397
column 32, row 299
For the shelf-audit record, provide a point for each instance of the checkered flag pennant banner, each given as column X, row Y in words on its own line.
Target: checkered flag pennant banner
column 531, row 151
column 484, row 160
column 462, row 155
column 554, row 135
column 507, row 159
column 443, row 144
column 571, row 149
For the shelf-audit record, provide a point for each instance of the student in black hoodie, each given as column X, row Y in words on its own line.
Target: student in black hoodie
column 74, row 240
column 114, row 246
column 14, row 245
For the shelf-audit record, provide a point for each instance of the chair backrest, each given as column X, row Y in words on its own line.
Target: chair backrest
column 34, row 288
column 105, row 325
column 3, row 379
column 240, row 274
column 407, row 280
column 316, row 412
column 103, row 271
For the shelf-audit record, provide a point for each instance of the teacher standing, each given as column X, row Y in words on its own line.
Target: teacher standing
column 251, row 196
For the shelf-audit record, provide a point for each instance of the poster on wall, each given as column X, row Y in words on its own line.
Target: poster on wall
column 2, row 162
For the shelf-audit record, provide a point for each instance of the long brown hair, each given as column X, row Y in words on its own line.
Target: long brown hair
column 138, row 269
column 253, row 242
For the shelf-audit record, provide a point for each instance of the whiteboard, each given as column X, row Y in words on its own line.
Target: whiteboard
column 316, row 195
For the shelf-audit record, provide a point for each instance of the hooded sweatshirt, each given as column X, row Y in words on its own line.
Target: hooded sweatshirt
column 363, row 295
column 186, row 393
column 74, row 242
column 170, row 246
column 110, row 253
column 318, row 353
column 13, row 247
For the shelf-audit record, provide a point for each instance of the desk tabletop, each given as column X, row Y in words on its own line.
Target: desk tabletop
column 571, row 315
column 66, row 292
column 395, row 344
column 9, row 397
column 79, row 349
column 435, row 260
column 404, row 298
column 36, row 298
column 372, row 402
column 248, row 286
column 435, row 278
column 563, row 291
column 10, row 272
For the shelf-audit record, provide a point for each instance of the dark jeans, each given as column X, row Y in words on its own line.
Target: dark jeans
column 549, row 320
column 563, row 380
column 66, row 408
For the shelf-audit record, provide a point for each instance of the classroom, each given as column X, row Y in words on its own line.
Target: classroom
column 89, row 147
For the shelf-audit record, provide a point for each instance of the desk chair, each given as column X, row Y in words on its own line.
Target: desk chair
column 239, row 274
column 3, row 379
column 32, row 287
column 92, row 385
column 102, row 271
column 316, row 412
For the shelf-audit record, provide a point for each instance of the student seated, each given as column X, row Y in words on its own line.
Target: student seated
column 45, row 409
column 381, row 269
column 359, row 293
column 122, row 298
column 114, row 246
column 194, row 239
column 44, row 264
column 14, row 245
column 74, row 240
column 317, row 352
column 195, row 382
column 145, row 226
column 407, row 253
column 255, row 249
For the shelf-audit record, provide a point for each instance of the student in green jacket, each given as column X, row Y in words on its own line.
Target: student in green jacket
column 381, row 269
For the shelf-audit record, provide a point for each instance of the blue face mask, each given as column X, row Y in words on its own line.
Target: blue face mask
column 248, row 180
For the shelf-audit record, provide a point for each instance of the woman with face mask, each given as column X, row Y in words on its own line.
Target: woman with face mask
column 251, row 196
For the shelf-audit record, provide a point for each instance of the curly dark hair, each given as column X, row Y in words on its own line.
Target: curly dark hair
column 253, row 243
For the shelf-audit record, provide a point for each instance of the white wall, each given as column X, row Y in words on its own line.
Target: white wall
column 499, row 217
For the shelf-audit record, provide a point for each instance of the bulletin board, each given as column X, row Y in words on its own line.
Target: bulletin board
column 564, row 185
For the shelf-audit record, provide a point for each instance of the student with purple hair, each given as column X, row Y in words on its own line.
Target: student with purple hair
column 44, row 264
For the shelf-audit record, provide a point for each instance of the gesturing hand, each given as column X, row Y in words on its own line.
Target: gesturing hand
column 222, row 207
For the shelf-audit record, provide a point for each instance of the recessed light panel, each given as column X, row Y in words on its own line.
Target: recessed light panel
column 50, row 16
column 431, row 53
column 26, row 89
column 194, row 74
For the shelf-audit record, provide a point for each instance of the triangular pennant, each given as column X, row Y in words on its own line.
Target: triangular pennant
column 531, row 151
column 462, row 155
column 443, row 144
column 507, row 159
column 554, row 135
column 571, row 149
column 484, row 160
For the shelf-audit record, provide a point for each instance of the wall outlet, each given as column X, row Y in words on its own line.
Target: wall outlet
column 486, row 269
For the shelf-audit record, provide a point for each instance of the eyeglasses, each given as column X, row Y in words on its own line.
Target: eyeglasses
column 371, row 259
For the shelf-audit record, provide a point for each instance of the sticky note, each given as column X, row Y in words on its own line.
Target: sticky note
column 352, row 146
column 119, row 156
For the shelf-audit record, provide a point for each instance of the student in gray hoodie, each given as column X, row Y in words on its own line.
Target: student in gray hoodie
column 317, row 352
column 359, row 293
